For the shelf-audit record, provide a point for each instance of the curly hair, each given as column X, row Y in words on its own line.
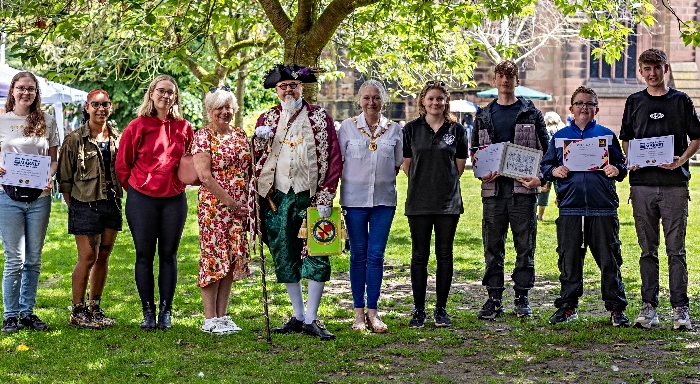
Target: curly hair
column 148, row 109
column 217, row 99
column 36, row 123
column 506, row 68
column 440, row 86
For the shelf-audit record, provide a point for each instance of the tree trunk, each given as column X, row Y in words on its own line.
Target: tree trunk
column 240, row 95
column 296, row 52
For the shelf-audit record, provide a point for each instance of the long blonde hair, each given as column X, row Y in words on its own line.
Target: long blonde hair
column 148, row 109
column 36, row 124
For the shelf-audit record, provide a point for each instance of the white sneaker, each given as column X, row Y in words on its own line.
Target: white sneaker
column 213, row 326
column 228, row 323
column 681, row 318
column 647, row 317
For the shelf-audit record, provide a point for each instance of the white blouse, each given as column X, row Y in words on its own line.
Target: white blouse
column 369, row 176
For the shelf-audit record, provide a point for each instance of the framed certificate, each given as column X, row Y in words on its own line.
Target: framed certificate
column 586, row 154
column 510, row 160
column 519, row 161
column 650, row 152
column 323, row 234
column 25, row 170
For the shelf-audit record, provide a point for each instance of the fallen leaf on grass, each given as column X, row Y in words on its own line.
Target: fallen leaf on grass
column 487, row 336
column 22, row 348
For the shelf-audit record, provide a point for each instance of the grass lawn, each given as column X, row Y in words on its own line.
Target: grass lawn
column 505, row 350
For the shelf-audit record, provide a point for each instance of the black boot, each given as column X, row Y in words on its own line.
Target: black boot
column 164, row 316
column 149, row 317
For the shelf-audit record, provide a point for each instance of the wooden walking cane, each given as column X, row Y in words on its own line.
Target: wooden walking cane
column 258, row 230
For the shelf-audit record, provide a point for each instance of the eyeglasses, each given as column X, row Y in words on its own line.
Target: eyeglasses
column 97, row 104
column 290, row 85
column 581, row 104
column 163, row 92
column 435, row 82
column 29, row 90
column 214, row 89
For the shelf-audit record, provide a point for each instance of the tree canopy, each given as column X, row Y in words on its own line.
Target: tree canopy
column 405, row 41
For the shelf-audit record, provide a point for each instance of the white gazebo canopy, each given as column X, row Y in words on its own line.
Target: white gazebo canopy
column 51, row 93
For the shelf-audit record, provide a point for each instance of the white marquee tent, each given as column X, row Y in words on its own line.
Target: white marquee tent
column 51, row 93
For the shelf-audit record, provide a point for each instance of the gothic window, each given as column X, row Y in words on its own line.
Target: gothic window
column 625, row 68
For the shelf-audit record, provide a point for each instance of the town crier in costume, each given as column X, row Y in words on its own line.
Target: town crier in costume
column 298, row 166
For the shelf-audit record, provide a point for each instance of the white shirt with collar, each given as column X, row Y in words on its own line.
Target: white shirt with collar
column 369, row 177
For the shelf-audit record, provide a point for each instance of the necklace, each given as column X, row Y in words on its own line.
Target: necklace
column 373, row 136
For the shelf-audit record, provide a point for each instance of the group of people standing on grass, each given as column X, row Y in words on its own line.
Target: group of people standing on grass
column 295, row 161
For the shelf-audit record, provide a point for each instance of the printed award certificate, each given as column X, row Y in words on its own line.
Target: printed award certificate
column 585, row 154
column 508, row 159
column 650, row 152
column 487, row 159
column 25, row 170
column 520, row 161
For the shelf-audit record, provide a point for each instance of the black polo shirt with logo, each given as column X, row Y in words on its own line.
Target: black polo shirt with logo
column 433, row 179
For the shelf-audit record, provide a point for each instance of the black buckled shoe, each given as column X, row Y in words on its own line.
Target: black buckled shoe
column 149, row 318
column 291, row 326
column 317, row 329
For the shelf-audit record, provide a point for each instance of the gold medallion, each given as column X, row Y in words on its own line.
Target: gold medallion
column 372, row 146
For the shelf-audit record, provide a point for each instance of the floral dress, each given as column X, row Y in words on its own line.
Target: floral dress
column 223, row 239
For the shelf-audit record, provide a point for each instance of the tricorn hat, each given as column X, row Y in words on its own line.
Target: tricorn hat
column 282, row 72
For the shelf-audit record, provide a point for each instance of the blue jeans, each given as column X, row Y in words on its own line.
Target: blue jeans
column 368, row 230
column 23, row 230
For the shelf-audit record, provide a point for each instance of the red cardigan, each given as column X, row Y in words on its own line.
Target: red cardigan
column 149, row 155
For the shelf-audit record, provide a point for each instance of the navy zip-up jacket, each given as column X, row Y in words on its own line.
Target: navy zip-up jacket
column 584, row 193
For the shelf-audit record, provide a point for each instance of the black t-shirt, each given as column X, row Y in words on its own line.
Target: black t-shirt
column 653, row 116
column 106, row 158
column 433, row 179
column 503, row 117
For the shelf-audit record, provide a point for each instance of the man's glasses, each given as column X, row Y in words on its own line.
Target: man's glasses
column 581, row 104
column 290, row 85
column 214, row 89
column 97, row 104
column 163, row 92
column 435, row 82
column 29, row 90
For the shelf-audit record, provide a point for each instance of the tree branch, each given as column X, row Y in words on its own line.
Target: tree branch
column 334, row 14
column 275, row 13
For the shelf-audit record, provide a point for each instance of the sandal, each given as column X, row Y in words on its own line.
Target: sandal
column 374, row 323
column 359, row 323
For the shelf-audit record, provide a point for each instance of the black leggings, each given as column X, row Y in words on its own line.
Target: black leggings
column 421, row 230
column 156, row 220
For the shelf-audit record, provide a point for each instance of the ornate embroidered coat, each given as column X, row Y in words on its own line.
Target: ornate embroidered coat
column 324, row 169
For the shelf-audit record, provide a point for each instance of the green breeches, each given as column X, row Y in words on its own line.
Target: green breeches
column 279, row 232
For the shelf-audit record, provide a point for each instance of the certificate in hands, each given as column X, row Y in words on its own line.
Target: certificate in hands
column 487, row 159
column 25, row 170
column 650, row 152
column 508, row 159
column 585, row 154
